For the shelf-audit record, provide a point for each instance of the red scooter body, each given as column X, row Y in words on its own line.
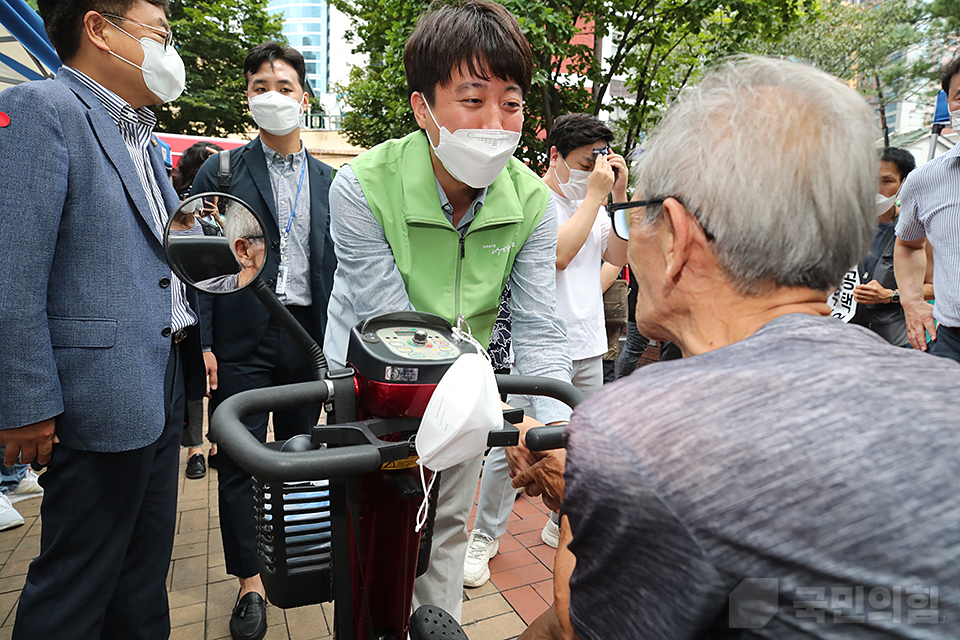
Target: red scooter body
column 398, row 359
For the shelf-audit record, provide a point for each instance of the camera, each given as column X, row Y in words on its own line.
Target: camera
column 605, row 151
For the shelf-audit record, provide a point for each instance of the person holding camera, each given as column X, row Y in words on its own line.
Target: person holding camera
column 583, row 173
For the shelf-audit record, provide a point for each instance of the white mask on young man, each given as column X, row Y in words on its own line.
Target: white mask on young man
column 575, row 188
column 955, row 120
column 884, row 203
column 475, row 157
column 275, row 113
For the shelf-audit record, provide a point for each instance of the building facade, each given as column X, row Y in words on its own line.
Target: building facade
column 306, row 25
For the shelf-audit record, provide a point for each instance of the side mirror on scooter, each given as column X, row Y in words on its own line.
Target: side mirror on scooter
column 215, row 243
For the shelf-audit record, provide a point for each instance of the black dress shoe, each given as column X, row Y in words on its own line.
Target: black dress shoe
column 196, row 467
column 249, row 618
column 212, row 460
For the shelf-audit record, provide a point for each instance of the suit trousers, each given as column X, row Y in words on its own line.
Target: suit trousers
column 947, row 344
column 277, row 359
column 107, row 536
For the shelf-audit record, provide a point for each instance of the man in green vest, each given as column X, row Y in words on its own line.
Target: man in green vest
column 439, row 220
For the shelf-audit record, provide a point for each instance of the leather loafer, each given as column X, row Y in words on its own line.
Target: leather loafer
column 196, row 467
column 249, row 618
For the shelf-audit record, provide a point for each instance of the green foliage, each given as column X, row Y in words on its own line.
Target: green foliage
column 864, row 44
column 213, row 38
column 658, row 46
column 948, row 11
column 377, row 93
column 848, row 40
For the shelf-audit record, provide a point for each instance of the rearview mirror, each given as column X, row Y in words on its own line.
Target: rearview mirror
column 215, row 243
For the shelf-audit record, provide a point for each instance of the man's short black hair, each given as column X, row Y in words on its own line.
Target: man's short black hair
column 576, row 130
column 947, row 72
column 479, row 36
column 271, row 52
column 63, row 19
column 902, row 158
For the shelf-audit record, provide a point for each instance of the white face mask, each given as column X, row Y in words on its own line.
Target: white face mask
column 955, row 120
column 463, row 409
column 575, row 188
column 275, row 113
column 475, row 157
column 884, row 203
column 162, row 69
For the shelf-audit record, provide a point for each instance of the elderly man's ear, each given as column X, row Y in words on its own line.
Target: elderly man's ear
column 241, row 247
column 680, row 236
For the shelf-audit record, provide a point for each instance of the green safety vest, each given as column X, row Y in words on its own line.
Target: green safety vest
column 444, row 273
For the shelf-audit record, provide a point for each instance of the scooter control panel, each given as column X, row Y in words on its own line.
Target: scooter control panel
column 404, row 347
column 417, row 343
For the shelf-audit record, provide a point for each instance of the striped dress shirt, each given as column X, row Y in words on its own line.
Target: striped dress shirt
column 930, row 208
column 136, row 129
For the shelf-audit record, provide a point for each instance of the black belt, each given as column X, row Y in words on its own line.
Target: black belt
column 178, row 336
column 954, row 330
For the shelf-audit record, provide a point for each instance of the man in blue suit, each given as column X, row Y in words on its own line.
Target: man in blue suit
column 276, row 176
column 91, row 320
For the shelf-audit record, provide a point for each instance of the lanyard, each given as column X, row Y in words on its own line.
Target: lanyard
column 293, row 212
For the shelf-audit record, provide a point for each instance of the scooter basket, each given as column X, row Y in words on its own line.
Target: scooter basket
column 294, row 541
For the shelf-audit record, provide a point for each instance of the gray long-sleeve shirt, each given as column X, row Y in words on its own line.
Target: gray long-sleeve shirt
column 805, row 478
column 367, row 283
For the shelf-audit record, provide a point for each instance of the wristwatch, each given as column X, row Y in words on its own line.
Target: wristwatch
column 896, row 296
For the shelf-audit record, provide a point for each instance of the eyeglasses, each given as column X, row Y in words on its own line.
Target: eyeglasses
column 619, row 213
column 251, row 238
column 167, row 35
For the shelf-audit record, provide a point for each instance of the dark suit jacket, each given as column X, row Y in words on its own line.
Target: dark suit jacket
column 84, row 286
column 233, row 324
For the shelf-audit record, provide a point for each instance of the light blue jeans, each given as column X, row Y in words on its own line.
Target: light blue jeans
column 10, row 477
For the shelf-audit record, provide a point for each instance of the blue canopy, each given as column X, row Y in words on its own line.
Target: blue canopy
column 942, row 113
column 25, row 51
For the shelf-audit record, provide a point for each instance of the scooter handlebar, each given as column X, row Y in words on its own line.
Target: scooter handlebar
column 334, row 462
column 537, row 386
column 277, row 466
column 542, row 438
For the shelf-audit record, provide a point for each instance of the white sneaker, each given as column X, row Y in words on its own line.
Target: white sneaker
column 29, row 487
column 550, row 534
column 481, row 548
column 9, row 517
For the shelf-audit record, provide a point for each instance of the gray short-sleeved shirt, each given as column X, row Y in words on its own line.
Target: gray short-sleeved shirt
column 813, row 460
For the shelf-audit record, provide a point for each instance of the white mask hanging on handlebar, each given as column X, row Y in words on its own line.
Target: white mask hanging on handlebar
column 464, row 408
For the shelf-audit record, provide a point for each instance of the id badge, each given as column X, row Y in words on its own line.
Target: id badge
column 282, row 280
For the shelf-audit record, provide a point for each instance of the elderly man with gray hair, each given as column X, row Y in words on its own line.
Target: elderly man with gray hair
column 762, row 487
column 245, row 237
